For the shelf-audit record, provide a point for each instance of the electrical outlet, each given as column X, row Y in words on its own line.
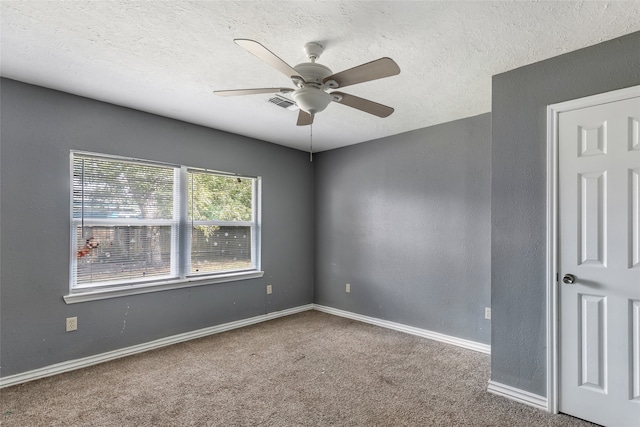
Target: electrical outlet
column 72, row 324
column 487, row 313
column 269, row 289
column 348, row 288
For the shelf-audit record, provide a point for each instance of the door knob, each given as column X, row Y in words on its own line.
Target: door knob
column 569, row 279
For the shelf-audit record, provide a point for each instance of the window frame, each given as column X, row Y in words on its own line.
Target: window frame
column 181, row 225
column 253, row 224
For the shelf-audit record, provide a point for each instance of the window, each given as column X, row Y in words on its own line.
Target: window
column 137, row 224
column 220, row 211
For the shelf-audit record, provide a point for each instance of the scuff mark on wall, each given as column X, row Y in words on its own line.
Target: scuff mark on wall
column 124, row 321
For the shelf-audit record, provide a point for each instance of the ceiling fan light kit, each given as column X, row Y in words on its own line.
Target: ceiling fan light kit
column 313, row 81
column 311, row 100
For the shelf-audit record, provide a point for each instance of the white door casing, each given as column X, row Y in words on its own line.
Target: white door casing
column 597, row 366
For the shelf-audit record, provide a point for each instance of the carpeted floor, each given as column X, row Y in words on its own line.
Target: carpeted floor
column 309, row 369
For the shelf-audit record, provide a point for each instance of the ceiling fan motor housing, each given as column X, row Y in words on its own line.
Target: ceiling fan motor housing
column 312, row 72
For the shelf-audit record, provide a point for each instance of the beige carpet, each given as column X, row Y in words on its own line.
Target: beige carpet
column 309, row 369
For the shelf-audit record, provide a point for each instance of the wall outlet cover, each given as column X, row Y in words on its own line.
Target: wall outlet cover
column 72, row 324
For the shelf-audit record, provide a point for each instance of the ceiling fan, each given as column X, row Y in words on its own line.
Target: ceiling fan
column 314, row 81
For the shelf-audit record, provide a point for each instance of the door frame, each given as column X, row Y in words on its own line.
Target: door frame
column 552, row 273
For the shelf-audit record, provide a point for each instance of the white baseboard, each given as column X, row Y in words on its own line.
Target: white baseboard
column 84, row 362
column 471, row 345
column 518, row 395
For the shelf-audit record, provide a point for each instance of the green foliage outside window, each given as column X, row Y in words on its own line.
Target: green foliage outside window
column 219, row 198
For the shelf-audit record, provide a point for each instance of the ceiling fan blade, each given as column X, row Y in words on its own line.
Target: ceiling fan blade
column 238, row 92
column 267, row 56
column 304, row 118
column 364, row 104
column 378, row 69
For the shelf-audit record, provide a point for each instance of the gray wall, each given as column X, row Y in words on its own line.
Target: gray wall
column 518, row 195
column 406, row 221
column 38, row 128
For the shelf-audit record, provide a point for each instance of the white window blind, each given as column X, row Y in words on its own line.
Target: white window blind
column 125, row 220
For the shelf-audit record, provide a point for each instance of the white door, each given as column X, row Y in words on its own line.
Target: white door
column 599, row 244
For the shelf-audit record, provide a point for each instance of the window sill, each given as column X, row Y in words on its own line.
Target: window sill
column 121, row 291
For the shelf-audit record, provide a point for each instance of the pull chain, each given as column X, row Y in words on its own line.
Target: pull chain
column 311, row 142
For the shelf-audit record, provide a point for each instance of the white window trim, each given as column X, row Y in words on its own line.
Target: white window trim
column 125, row 290
column 89, row 293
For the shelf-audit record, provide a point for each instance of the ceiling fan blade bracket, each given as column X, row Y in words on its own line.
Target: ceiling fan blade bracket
column 335, row 97
column 331, row 84
column 298, row 81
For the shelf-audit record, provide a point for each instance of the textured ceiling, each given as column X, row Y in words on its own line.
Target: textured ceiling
column 167, row 57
